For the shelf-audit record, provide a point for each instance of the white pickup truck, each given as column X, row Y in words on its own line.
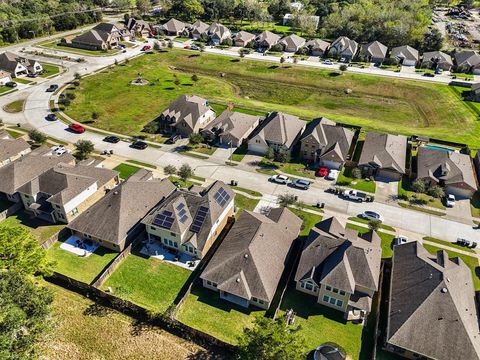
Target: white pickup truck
column 355, row 195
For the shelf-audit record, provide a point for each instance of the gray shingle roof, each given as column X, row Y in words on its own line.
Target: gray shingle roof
column 293, row 41
column 385, row 150
column 280, row 128
column 441, row 56
column 374, row 49
column 192, row 201
column 432, row 309
column 468, row 58
column 235, row 124
column 199, row 27
column 268, row 37
column 188, row 108
column 218, row 29
column 244, row 36
column 449, row 167
column 405, row 52
column 174, row 26
column 112, row 217
column 9, row 61
column 92, row 37
column 11, row 147
column 344, row 44
column 317, row 44
column 251, row 258
column 106, row 27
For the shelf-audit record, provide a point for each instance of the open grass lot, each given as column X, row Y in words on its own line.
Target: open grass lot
column 85, row 331
column 147, row 282
column 204, row 310
column 320, row 324
column 470, row 261
column 42, row 230
column 244, row 203
column 80, row 268
column 387, row 239
column 126, row 170
column 23, row 80
column 14, row 107
column 49, row 70
column 344, row 179
column 378, row 103
column 405, row 190
column 294, row 167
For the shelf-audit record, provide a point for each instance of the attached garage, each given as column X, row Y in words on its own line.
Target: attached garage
column 459, row 193
column 330, row 164
column 257, row 146
column 389, row 175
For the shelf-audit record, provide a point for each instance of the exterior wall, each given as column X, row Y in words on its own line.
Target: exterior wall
column 257, row 145
column 314, row 292
column 406, row 62
column 291, row 48
column 344, row 298
column 459, row 191
column 389, row 174
column 308, row 149
column 330, row 164
column 101, row 242
column 20, row 70
column 318, row 52
column 37, row 67
column 218, row 227
column 5, row 79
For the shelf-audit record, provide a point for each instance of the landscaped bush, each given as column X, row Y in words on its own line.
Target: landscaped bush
column 277, row 48
column 151, row 128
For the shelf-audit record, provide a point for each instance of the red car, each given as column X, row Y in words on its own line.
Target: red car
column 322, row 172
column 146, row 47
column 76, row 128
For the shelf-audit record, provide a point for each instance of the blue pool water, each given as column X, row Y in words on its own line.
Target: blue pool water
column 439, row 148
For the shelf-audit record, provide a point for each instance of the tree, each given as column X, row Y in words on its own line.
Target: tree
column 343, row 67
column 187, row 9
column 151, row 127
column 278, row 8
column 437, row 192
column 77, row 76
column 270, row 154
column 176, row 82
column 282, row 60
column 185, row 172
column 419, row 186
column 374, row 224
column 194, row 78
column 306, row 23
column 195, row 138
column 282, row 156
column 432, row 41
column 286, row 200
column 83, row 148
column 143, row 6
column 170, row 44
column 156, row 45
column 170, row 170
column 95, row 115
column 356, row 173
column 271, row 340
column 37, row 136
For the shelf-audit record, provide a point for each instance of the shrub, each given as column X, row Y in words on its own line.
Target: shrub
column 95, row 115
column 195, row 77
column 343, row 67
column 436, row 192
column 195, row 138
column 151, row 128
column 277, row 48
column 71, row 96
column 170, row 170
column 356, row 173
column 419, row 186
column 227, row 42
column 37, row 136
column 270, row 154
column 83, row 148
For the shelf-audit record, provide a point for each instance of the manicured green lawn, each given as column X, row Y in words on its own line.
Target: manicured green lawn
column 320, row 324
column 22, row 81
column 14, row 107
column 365, row 221
column 309, row 220
column 344, row 179
column 239, row 153
column 80, row 268
column 5, row 89
column 244, row 203
column 204, row 310
column 54, row 45
column 475, row 204
column 180, row 182
column 387, row 239
column 294, row 167
column 376, row 103
column 248, row 191
column 49, row 70
column 126, row 170
column 422, row 209
column 15, row 134
column 147, row 282
column 202, row 148
column 470, row 261
column 449, row 244
column 405, row 190
column 142, row 164
column 42, row 230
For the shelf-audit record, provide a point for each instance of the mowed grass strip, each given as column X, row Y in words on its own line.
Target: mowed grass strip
column 376, row 103
column 126, row 170
column 147, row 282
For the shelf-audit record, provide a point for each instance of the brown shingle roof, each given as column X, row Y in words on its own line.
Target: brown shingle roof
column 387, row 151
column 12, row 147
column 280, row 128
column 188, row 108
column 235, row 124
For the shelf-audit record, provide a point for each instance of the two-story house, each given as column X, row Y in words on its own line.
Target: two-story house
column 190, row 221
column 340, row 268
column 17, row 66
column 11, row 149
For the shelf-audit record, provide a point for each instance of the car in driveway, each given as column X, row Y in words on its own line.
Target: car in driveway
column 371, row 215
column 112, row 139
column 138, row 144
column 194, row 47
column 51, row 117
column 322, row 172
column 332, row 175
column 59, row 150
column 399, row 240
column 450, row 200
column 301, row 184
column 279, row 179
column 32, row 75
column 172, row 139
column 11, row 84
column 76, row 128
column 146, row 48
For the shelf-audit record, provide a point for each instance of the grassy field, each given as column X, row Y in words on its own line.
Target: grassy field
column 49, row 70
column 25, row 81
column 83, row 269
column 5, row 89
column 365, row 221
column 422, row 209
column 147, row 282
column 42, row 230
column 204, row 310
column 141, row 163
column 248, row 191
column 14, row 107
column 85, row 331
column 379, row 103
column 344, row 179
column 126, row 170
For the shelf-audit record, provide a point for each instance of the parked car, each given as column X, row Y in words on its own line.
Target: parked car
column 439, row 71
column 172, row 139
column 76, row 128
column 11, row 84
column 59, row 150
column 194, row 47
column 112, row 139
column 301, row 184
column 399, row 240
column 450, row 200
column 371, row 215
column 245, row 51
column 146, row 47
column 52, row 88
column 322, row 172
column 333, row 175
column 51, row 117
column 466, row 243
column 279, row 179
column 355, row 195
column 121, row 46
column 429, row 75
column 138, row 144
column 327, row 62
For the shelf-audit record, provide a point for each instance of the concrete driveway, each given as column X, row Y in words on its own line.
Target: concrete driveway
column 386, row 191
column 460, row 212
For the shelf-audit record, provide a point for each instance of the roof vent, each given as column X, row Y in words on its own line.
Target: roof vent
column 245, row 256
column 238, row 280
column 448, row 279
column 444, row 290
column 115, row 192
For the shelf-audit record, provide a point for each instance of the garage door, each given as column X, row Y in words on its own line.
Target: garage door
column 257, row 148
column 330, row 164
column 389, row 175
column 459, row 193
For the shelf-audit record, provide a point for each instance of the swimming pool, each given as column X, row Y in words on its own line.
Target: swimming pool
column 434, row 147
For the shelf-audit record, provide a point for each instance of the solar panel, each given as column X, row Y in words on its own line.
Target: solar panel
column 199, row 219
column 182, row 212
column 164, row 220
column 183, row 219
column 221, row 197
column 180, row 206
column 167, row 213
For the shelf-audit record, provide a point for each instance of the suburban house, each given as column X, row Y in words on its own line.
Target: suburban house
column 65, row 191
column 374, row 52
column 292, row 43
column 174, row 27
column 4, row 77
column 405, row 55
column 468, row 62
column 476, row 161
column 17, row 66
column 317, row 47
column 231, row 128
column 431, row 307
column 28, row 167
column 475, row 92
column 217, row 33
column 198, row 30
column 449, row 169
column 103, row 36
column 326, row 143
column 343, row 48
column 340, row 268
column 243, row 38
column 384, row 155
column 138, row 27
column 186, row 115
column 114, row 221
column 437, row 60
column 190, row 221
column 11, row 149
column 266, row 40
column 248, row 264
column 279, row 131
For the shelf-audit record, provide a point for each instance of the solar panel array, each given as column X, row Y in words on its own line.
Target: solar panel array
column 199, row 219
column 164, row 219
column 182, row 213
column 221, row 197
